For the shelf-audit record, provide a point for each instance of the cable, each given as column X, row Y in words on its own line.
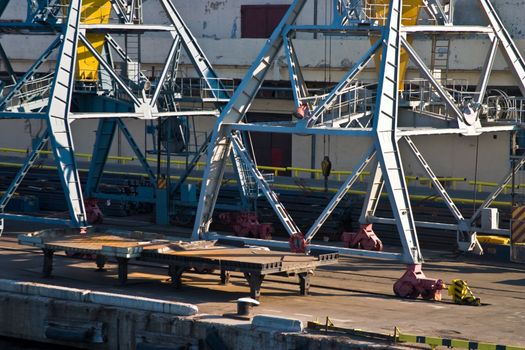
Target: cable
column 476, row 175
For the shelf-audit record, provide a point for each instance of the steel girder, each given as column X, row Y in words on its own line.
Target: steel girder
column 233, row 113
column 385, row 138
column 182, row 39
column 57, row 115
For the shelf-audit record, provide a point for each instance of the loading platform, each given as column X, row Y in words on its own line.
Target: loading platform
column 255, row 263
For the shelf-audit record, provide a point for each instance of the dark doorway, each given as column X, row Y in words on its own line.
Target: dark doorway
column 259, row 21
column 271, row 149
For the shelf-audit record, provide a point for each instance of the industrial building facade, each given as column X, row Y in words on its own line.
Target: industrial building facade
column 231, row 32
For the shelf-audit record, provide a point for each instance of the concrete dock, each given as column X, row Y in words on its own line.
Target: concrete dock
column 356, row 293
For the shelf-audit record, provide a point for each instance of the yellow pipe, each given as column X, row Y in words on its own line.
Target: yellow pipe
column 379, row 11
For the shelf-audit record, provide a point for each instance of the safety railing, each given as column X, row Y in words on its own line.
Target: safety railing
column 352, row 103
column 423, row 97
column 212, row 88
column 336, row 175
column 34, row 89
column 506, row 108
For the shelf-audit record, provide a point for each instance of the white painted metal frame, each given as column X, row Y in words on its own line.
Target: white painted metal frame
column 388, row 170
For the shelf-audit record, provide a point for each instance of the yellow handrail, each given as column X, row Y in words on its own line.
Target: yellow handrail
column 286, row 186
column 296, row 171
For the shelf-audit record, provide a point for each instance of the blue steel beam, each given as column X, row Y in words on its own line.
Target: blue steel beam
column 35, row 219
column 22, row 172
column 137, row 151
column 103, row 140
column 59, row 108
column 22, row 115
column 296, row 129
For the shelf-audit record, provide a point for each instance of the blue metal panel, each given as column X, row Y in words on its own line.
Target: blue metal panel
column 104, row 138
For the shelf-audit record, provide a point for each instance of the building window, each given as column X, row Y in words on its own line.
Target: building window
column 259, row 21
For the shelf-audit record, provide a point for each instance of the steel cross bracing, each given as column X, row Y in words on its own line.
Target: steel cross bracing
column 49, row 17
column 57, row 115
column 387, row 172
column 233, row 113
column 511, row 52
column 182, row 38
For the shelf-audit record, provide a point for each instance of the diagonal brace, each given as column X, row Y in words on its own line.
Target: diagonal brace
column 423, row 69
column 343, row 190
column 281, row 212
column 350, row 76
column 110, row 70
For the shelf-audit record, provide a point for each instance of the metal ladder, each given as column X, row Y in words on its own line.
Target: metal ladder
column 440, row 58
column 132, row 46
column 283, row 215
column 248, row 185
column 132, row 42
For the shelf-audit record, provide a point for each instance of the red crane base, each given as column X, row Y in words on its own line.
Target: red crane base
column 414, row 283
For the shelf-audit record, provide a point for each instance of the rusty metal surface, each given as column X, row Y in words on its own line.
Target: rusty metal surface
column 240, row 259
column 192, row 254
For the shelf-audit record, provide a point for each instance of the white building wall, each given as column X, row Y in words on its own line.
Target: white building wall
column 216, row 24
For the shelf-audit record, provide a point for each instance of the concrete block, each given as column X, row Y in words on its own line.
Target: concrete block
column 282, row 324
column 146, row 304
column 88, row 296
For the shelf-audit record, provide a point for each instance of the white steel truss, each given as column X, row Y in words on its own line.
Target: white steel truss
column 387, row 170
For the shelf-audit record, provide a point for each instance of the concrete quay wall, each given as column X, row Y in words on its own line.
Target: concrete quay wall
column 91, row 325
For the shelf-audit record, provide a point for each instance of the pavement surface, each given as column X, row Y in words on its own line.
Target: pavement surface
column 356, row 293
